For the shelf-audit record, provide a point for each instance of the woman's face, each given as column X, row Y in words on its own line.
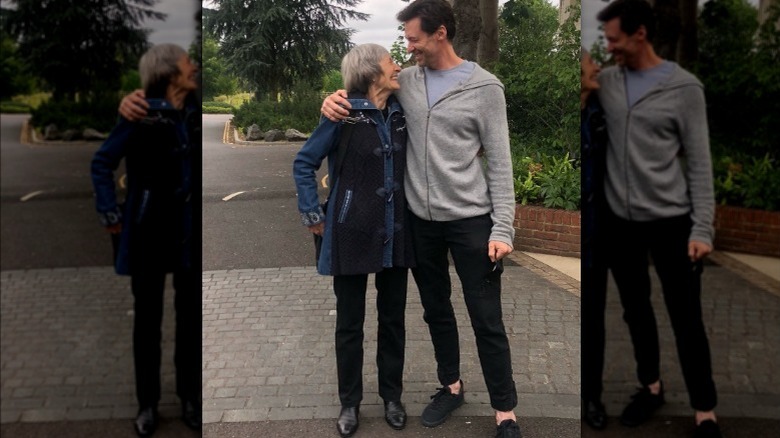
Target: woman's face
column 589, row 71
column 388, row 79
column 187, row 77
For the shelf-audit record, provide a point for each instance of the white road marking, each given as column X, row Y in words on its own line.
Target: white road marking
column 231, row 196
column 123, row 181
column 324, row 181
column 29, row 196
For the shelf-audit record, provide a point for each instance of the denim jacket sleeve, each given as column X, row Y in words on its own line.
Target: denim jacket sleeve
column 104, row 163
column 321, row 144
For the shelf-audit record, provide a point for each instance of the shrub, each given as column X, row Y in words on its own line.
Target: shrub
column 9, row 107
column 100, row 114
column 217, row 108
column 745, row 181
column 550, row 181
column 300, row 111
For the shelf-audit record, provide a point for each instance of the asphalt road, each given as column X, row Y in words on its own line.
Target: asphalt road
column 259, row 227
column 47, row 204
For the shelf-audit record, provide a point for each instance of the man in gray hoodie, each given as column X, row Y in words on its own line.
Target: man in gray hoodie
column 460, row 192
column 660, row 195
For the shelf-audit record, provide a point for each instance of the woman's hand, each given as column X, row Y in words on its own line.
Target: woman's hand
column 318, row 229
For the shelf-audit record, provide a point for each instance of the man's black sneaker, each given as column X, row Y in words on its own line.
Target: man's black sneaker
column 508, row 429
column 707, row 429
column 442, row 405
column 643, row 404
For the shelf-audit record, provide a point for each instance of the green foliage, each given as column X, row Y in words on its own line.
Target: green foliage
column 100, row 114
column 217, row 108
column 559, row 183
column 539, row 66
column 748, row 181
column 299, row 110
column 398, row 50
column 550, row 181
column 274, row 45
column 14, row 77
column 217, row 80
column 332, row 81
column 739, row 66
column 80, row 47
column 131, row 81
column 10, row 107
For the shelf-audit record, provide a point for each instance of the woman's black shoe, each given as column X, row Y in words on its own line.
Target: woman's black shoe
column 594, row 414
column 348, row 421
column 395, row 414
column 146, row 421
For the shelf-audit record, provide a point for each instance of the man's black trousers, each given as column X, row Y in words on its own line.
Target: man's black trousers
column 666, row 241
column 467, row 241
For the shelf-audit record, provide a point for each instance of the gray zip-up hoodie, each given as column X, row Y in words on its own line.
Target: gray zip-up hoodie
column 446, row 178
column 658, row 157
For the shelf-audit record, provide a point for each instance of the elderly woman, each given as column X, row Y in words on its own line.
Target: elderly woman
column 156, row 225
column 364, row 227
column 594, row 267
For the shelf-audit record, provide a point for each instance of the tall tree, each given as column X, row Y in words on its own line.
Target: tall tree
column 216, row 79
column 77, row 46
column 275, row 44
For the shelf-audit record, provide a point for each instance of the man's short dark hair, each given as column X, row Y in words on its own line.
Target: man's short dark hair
column 632, row 14
column 432, row 14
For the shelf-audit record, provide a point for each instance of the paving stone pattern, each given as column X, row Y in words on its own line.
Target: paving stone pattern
column 269, row 355
column 66, row 342
column 743, row 327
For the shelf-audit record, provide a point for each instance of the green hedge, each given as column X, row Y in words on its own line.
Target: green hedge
column 301, row 112
column 9, row 107
column 217, row 108
column 100, row 114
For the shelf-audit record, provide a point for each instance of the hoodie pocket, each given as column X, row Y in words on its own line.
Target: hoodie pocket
column 345, row 206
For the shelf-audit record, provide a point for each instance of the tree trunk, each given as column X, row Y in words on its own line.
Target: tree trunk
column 468, row 24
column 688, row 46
column 668, row 28
column 487, row 53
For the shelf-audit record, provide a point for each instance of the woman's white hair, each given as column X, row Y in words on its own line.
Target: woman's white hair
column 158, row 66
column 361, row 66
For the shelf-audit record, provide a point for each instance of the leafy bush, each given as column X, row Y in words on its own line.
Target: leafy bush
column 300, row 111
column 217, row 108
column 551, row 181
column 747, row 182
column 100, row 114
column 9, row 107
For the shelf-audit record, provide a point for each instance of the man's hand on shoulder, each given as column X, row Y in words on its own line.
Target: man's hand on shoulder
column 336, row 107
column 498, row 250
column 133, row 106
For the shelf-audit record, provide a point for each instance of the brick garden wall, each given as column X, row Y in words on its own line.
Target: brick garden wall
column 746, row 230
column 547, row 231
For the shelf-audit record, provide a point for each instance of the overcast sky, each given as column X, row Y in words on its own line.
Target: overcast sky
column 179, row 27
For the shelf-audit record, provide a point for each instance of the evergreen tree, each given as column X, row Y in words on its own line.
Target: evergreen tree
column 80, row 46
column 274, row 45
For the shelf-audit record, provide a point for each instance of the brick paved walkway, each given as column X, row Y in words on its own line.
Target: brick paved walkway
column 268, row 348
column 742, row 317
column 66, row 342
